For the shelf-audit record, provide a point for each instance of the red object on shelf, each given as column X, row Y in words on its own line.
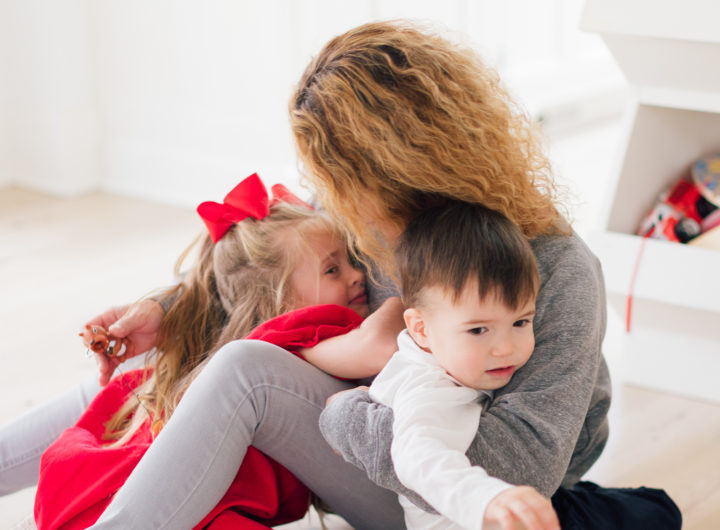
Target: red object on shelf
column 678, row 215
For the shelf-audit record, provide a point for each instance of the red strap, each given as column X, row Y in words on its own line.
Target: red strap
column 633, row 277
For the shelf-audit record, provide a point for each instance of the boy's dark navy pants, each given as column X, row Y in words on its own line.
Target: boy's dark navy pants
column 588, row 506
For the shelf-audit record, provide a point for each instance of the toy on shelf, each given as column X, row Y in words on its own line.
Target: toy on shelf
column 706, row 175
column 689, row 207
column 100, row 341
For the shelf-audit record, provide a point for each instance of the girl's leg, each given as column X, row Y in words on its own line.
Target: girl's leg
column 23, row 441
column 250, row 393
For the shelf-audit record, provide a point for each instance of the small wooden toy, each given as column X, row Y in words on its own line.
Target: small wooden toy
column 100, row 341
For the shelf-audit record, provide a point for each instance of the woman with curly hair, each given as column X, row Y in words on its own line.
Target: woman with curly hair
column 390, row 120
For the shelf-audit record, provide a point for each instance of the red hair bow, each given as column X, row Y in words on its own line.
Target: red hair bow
column 247, row 199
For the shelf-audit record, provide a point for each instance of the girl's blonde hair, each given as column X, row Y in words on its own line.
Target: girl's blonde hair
column 236, row 284
column 391, row 120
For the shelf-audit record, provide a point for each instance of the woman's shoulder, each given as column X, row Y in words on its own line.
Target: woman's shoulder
column 565, row 255
column 571, row 279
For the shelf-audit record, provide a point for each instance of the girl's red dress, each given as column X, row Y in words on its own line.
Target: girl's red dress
column 79, row 475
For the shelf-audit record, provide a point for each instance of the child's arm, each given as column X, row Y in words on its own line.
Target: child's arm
column 363, row 351
column 435, row 421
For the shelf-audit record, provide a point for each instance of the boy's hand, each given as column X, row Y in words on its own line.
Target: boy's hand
column 139, row 323
column 521, row 507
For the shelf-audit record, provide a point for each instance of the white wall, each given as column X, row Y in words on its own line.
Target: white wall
column 4, row 82
column 193, row 95
column 50, row 126
column 177, row 100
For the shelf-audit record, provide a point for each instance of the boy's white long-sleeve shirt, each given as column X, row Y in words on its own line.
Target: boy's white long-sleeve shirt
column 435, row 420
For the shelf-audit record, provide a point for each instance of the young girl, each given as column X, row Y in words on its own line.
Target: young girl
column 259, row 261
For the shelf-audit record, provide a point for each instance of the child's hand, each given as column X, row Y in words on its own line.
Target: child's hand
column 139, row 322
column 521, row 507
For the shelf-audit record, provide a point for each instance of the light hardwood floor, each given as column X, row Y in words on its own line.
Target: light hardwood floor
column 64, row 260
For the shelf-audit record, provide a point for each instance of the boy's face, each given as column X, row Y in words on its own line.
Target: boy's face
column 324, row 275
column 481, row 343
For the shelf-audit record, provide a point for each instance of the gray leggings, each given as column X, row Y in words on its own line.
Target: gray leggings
column 250, row 393
column 23, row 440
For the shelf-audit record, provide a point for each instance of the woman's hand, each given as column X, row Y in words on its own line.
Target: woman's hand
column 139, row 323
column 520, row 507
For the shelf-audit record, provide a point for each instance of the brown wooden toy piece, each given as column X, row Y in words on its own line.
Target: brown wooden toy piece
column 100, row 341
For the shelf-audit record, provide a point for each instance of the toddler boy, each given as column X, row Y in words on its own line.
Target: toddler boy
column 469, row 281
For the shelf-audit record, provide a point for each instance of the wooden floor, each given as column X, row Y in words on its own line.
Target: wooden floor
column 64, row 260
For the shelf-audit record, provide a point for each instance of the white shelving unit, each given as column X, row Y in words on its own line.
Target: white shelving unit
column 670, row 53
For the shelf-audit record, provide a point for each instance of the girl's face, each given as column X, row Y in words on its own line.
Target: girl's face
column 324, row 275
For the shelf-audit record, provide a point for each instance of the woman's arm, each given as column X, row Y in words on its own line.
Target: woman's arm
column 363, row 351
column 551, row 412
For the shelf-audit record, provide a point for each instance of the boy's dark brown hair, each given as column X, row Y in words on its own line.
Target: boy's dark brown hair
column 447, row 246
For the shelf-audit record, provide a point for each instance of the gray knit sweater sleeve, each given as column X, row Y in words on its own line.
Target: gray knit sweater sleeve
column 549, row 424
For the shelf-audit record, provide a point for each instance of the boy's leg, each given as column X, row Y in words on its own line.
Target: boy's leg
column 250, row 393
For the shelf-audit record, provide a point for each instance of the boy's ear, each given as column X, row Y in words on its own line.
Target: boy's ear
column 415, row 324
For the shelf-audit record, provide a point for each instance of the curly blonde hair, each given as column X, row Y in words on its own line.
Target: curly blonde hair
column 389, row 120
